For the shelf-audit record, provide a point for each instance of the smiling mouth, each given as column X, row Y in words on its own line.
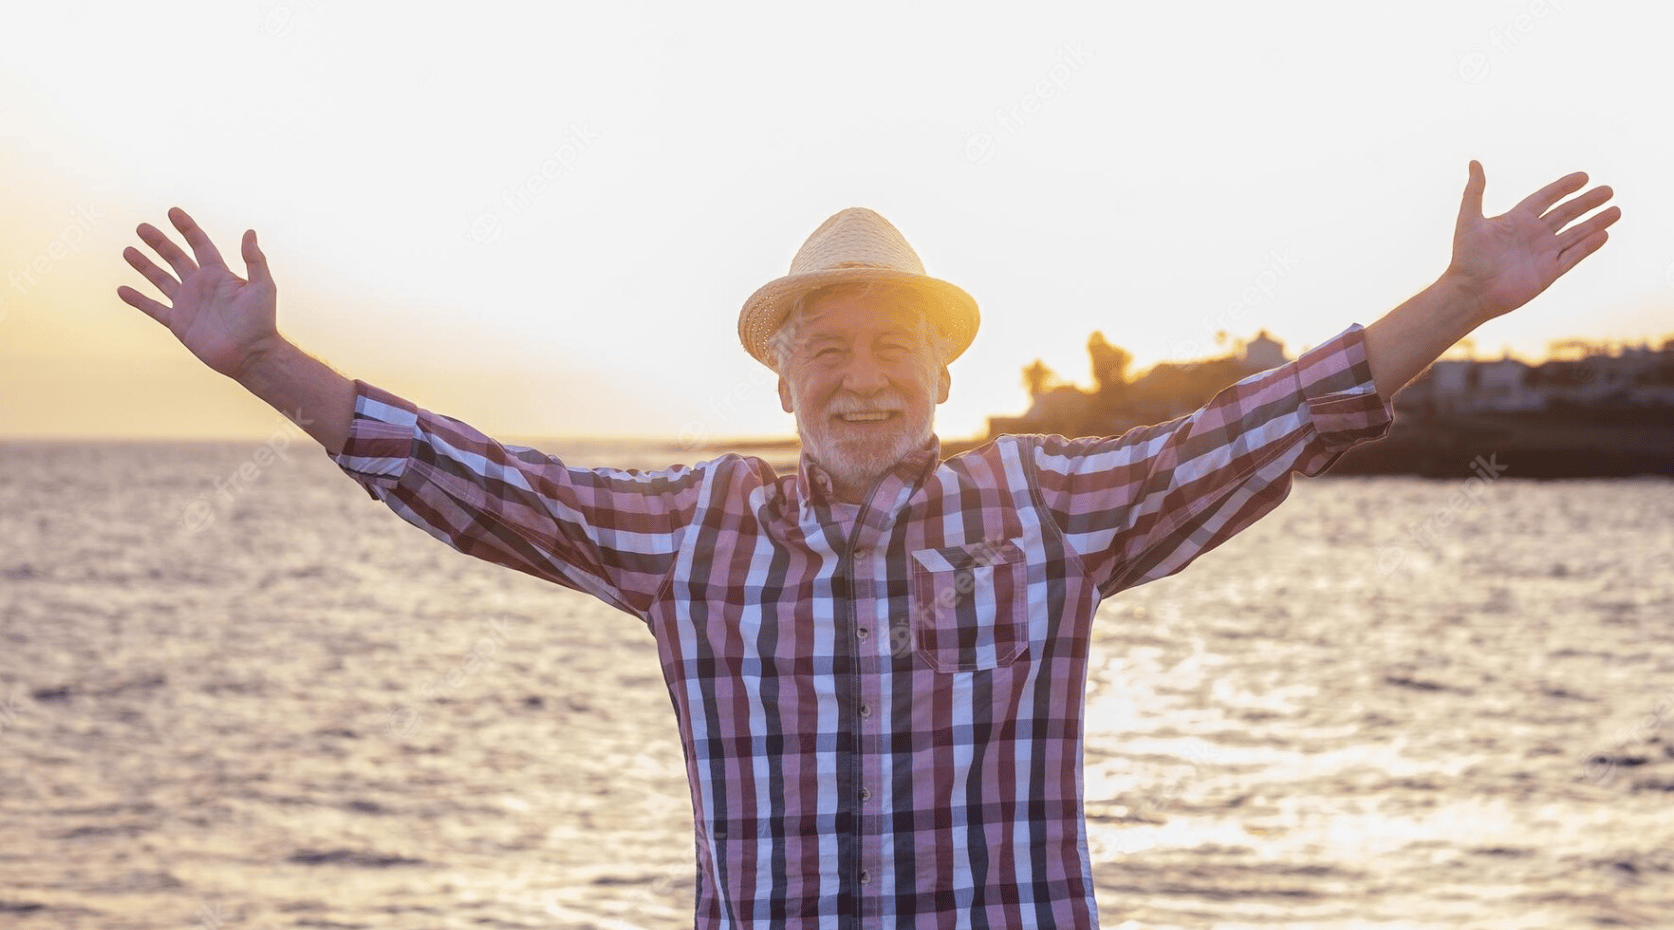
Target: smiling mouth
column 876, row 416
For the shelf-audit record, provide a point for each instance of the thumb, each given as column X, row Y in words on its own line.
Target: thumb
column 255, row 261
column 1471, row 205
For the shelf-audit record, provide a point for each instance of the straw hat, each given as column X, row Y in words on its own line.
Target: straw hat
column 855, row 245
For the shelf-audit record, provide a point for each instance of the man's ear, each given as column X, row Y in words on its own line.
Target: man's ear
column 945, row 381
column 785, row 395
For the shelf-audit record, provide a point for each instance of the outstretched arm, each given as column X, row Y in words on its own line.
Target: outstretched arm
column 230, row 324
column 1499, row 264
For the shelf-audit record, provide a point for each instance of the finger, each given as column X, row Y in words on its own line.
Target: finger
column 165, row 247
column 1565, row 213
column 208, row 255
column 161, row 279
column 255, row 261
column 1595, row 224
column 1573, row 255
column 1471, row 206
column 1542, row 200
column 151, row 308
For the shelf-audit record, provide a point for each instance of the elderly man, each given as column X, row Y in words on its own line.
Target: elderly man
column 878, row 661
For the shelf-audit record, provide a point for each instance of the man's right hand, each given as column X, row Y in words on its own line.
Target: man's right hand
column 226, row 321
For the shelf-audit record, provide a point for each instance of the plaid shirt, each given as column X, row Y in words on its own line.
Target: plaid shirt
column 881, row 707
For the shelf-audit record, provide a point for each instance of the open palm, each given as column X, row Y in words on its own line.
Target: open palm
column 223, row 319
column 1504, row 261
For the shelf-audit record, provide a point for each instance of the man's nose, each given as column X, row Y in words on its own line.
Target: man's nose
column 865, row 374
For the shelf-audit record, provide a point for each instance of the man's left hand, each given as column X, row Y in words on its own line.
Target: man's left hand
column 1500, row 263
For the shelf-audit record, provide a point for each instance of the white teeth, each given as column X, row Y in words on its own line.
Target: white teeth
column 864, row 417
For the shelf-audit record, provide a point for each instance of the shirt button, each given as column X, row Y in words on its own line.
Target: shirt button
column 865, row 710
column 862, row 552
column 866, row 794
column 865, row 876
column 863, row 632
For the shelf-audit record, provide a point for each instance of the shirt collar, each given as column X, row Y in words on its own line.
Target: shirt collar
column 816, row 485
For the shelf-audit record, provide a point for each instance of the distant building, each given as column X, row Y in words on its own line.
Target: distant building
column 1629, row 377
column 1263, row 353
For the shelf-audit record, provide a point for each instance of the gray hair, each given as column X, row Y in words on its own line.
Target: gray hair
column 784, row 340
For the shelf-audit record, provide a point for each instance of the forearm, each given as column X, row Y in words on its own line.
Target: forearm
column 1408, row 338
column 306, row 390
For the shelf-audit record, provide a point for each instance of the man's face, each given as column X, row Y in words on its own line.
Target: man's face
column 863, row 382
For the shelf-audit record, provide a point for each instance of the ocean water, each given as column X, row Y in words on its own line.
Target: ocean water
column 236, row 692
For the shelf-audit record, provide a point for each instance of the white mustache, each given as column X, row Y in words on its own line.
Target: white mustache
column 884, row 403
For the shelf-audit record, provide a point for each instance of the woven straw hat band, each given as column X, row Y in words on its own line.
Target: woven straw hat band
column 855, row 245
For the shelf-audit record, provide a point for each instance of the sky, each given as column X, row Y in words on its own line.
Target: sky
column 543, row 218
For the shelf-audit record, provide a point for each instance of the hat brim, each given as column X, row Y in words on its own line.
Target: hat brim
column 952, row 310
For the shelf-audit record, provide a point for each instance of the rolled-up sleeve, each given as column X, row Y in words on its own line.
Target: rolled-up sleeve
column 1144, row 505
column 610, row 533
column 380, row 442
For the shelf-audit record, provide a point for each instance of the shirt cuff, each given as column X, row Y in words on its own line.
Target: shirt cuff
column 381, row 437
column 1342, row 400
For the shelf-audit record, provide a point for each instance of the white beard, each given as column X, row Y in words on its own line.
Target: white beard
column 856, row 456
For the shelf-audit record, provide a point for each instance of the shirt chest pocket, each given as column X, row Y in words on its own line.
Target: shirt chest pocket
column 970, row 605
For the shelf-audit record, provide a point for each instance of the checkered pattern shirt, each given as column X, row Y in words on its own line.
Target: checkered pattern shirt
column 881, row 707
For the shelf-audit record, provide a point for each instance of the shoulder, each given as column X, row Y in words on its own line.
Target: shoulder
column 1016, row 446
column 734, row 473
column 1009, row 458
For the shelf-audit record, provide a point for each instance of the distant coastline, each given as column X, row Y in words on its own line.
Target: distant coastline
column 1596, row 410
